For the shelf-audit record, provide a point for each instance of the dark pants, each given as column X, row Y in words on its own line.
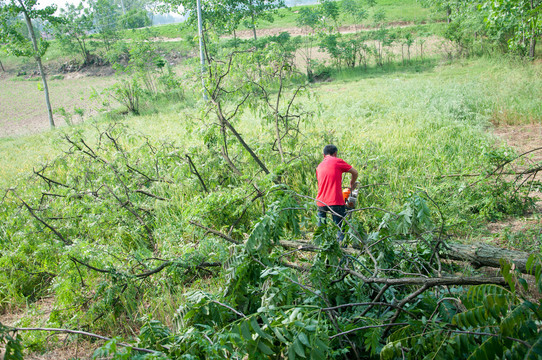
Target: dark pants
column 338, row 212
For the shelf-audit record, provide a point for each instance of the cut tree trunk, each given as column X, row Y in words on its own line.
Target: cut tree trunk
column 477, row 255
column 486, row 255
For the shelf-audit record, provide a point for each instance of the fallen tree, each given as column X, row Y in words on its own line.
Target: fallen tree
column 480, row 254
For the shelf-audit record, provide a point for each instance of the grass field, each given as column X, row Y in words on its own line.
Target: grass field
column 395, row 12
column 404, row 114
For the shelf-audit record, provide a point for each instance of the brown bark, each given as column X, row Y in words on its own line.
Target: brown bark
column 254, row 26
column 532, row 48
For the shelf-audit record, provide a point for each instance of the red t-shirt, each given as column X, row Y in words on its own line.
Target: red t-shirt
column 330, row 176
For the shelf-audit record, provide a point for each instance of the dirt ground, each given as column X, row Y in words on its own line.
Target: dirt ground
column 22, row 103
column 57, row 347
column 523, row 138
column 297, row 31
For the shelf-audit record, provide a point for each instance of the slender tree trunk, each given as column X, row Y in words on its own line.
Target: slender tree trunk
column 277, row 119
column 2, row 66
column 534, row 35
column 40, row 66
column 254, row 26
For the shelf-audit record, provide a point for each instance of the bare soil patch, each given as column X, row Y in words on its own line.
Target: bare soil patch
column 297, row 31
column 523, row 138
column 22, row 104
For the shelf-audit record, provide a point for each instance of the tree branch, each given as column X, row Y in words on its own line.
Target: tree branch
column 96, row 336
column 217, row 233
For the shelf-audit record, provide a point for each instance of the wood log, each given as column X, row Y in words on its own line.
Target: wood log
column 485, row 255
column 477, row 255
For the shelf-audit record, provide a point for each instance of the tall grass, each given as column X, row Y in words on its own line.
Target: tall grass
column 406, row 127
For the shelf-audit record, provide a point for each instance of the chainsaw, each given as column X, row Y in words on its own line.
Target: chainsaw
column 350, row 197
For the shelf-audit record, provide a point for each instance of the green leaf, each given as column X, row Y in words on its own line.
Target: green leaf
column 298, row 348
column 245, row 331
column 14, row 350
column 291, row 353
column 264, row 348
column 259, row 330
column 535, row 352
column 279, row 336
column 304, row 340
column 317, row 354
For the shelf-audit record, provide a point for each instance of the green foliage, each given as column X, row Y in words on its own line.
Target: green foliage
column 13, row 348
column 515, row 23
column 228, row 16
column 355, row 9
column 148, row 77
column 347, row 51
column 128, row 93
column 134, row 19
column 16, row 43
column 73, row 32
column 105, row 15
column 121, row 203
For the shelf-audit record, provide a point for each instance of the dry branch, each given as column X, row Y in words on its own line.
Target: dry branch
column 146, row 273
column 96, row 336
column 217, row 233
column 150, row 195
column 56, row 232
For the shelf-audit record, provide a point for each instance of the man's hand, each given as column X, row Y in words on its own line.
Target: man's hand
column 354, row 173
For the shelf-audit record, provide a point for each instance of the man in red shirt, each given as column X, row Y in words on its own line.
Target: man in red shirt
column 330, row 193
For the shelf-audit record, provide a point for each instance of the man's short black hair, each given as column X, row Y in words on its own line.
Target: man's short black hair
column 330, row 149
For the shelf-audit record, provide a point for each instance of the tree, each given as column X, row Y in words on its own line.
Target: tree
column 310, row 19
column 226, row 16
column 521, row 19
column 330, row 11
column 354, row 9
column 256, row 10
column 135, row 19
column 19, row 45
column 105, row 16
column 72, row 33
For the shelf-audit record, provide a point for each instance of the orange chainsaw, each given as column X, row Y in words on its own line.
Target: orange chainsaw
column 350, row 197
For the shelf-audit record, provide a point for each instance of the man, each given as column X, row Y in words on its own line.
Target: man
column 330, row 195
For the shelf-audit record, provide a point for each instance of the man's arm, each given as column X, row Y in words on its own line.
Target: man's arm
column 354, row 173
